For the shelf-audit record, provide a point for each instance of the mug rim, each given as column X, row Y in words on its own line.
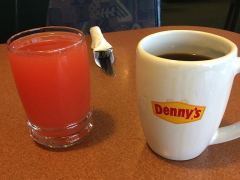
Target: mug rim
column 233, row 47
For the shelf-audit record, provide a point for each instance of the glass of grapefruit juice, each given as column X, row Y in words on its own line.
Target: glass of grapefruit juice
column 51, row 72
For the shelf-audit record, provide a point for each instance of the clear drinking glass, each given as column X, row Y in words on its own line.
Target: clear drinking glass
column 51, row 72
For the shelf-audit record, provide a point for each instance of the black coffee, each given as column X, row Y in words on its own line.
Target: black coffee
column 185, row 57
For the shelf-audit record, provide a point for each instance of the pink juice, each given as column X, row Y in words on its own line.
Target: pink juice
column 51, row 72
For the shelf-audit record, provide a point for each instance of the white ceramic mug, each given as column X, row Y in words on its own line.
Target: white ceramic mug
column 181, row 103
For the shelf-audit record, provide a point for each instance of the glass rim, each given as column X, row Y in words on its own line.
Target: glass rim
column 44, row 29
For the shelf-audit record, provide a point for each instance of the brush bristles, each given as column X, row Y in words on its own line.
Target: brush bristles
column 104, row 58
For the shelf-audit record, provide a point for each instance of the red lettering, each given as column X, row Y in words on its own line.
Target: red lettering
column 181, row 113
column 173, row 111
column 197, row 113
column 166, row 110
column 158, row 108
column 188, row 113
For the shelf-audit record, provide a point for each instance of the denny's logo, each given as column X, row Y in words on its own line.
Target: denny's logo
column 177, row 112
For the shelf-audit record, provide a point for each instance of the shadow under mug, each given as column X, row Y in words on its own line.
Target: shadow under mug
column 181, row 103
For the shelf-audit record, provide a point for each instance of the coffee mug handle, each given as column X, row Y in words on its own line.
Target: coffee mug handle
column 232, row 131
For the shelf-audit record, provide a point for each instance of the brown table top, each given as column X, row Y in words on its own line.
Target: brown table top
column 116, row 148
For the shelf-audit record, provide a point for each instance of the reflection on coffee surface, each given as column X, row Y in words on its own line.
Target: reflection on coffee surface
column 185, row 57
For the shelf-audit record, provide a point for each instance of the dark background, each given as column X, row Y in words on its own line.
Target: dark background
column 33, row 13
column 28, row 14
